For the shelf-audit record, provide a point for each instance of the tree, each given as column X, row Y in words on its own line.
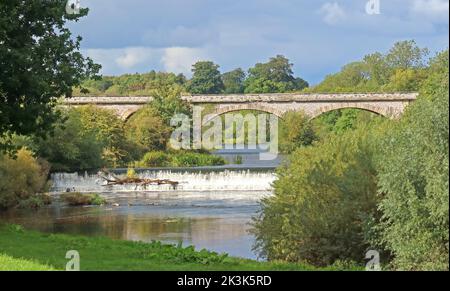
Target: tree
column 21, row 178
column 108, row 129
column 406, row 55
column 414, row 180
column 400, row 69
column 322, row 200
column 206, row 79
column 147, row 130
column 234, row 81
column 296, row 131
column 40, row 61
column 275, row 76
column 71, row 146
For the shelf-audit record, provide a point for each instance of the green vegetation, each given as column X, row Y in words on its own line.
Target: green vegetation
column 130, row 84
column 206, row 79
column 274, row 76
column 20, row 179
column 8, row 263
column 50, row 250
column 295, row 130
column 40, row 61
column 80, row 199
column 179, row 159
column 147, row 130
column 402, row 69
column 233, row 81
column 87, row 138
column 414, row 181
column 368, row 184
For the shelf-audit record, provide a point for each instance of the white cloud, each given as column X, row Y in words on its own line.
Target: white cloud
column 332, row 13
column 436, row 10
column 181, row 59
column 134, row 56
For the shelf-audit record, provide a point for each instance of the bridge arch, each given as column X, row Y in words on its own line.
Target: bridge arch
column 382, row 111
column 244, row 106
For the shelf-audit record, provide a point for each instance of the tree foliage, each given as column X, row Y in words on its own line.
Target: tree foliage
column 21, row 178
column 233, row 81
column 414, row 179
column 147, row 130
column 275, row 76
column 206, row 79
column 296, row 130
column 322, row 200
column 40, row 61
column 401, row 69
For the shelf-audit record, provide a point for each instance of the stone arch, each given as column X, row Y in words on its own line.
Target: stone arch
column 245, row 106
column 380, row 110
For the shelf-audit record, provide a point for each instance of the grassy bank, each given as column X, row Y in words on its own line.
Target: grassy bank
column 22, row 249
column 8, row 263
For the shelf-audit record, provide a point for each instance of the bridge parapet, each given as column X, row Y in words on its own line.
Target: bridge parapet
column 294, row 97
column 107, row 100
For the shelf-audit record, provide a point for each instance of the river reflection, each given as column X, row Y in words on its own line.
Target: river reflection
column 218, row 222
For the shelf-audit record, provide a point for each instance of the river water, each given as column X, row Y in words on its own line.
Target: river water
column 211, row 208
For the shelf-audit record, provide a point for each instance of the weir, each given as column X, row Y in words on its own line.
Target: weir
column 214, row 179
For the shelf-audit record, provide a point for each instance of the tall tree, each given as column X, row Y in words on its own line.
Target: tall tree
column 40, row 61
column 273, row 77
column 234, row 81
column 206, row 78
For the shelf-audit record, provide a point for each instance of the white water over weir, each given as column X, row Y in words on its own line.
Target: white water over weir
column 223, row 180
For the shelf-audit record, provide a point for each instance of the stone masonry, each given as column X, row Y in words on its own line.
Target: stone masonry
column 389, row 105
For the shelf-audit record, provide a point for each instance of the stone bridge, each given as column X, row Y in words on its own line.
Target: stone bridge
column 390, row 105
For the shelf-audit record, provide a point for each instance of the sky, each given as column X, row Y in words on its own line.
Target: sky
column 317, row 36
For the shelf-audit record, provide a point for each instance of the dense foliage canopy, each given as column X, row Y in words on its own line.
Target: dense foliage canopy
column 40, row 61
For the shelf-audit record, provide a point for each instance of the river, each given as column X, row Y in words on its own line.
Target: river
column 211, row 208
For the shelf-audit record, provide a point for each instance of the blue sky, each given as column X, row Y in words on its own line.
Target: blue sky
column 318, row 36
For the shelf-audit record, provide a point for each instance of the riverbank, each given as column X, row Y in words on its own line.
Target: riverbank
column 22, row 249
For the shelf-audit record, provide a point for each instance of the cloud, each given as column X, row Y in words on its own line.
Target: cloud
column 432, row 9
column 332, row 13
column 181, row 59
column 134, row 56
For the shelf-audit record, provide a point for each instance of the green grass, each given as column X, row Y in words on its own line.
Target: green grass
column 8, row 263
column 39, row 250
column 100, row 253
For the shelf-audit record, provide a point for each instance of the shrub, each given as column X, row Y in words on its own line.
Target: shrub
column 155, row 159
column 295, row 131
column 70, row 147
column 147, row 130
column 21, row 178
column 179, row 159
column 192, row 159
column 414, row 180
column 321, row 203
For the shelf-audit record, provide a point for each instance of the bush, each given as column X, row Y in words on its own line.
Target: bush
column 155, row 159
column 414, row 179
column 80, row 199
column 21, row 178
column 147, row 130
column 191, row 159
column 322, row 202
column 179, row 159
column 71, row 147
column 296, row 131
